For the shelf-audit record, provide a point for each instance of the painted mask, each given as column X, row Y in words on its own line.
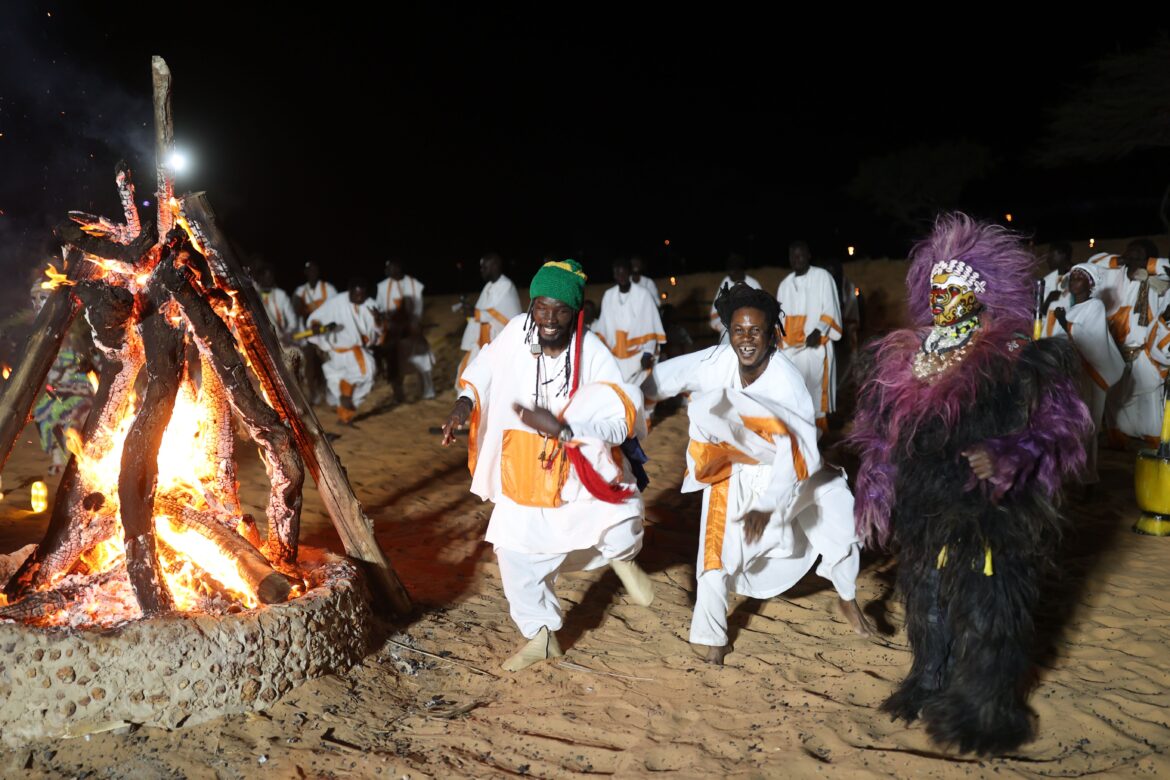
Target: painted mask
column 951, row 299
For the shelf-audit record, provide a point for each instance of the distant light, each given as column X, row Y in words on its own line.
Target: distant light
column 146, row 204
column 39, row 496
column 666, row 242
column 1008, row 217
column 673, row 282
column 850, row 251
column 662, row 296
column 1092, row 241
column 178, row 161
column 856, row 292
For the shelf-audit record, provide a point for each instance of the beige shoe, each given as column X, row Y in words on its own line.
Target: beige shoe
column 541, row 647
column 637, row 582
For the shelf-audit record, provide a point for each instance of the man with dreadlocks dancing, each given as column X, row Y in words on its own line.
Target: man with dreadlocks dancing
column 548, row 414
column 769, row 509
column 965, row 430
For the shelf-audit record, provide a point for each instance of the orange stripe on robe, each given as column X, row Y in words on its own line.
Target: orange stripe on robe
column 713, row 466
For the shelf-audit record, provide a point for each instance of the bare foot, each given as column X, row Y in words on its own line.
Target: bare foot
column 852, row 612
column 715, row 654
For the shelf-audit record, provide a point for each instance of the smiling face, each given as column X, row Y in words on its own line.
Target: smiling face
column 751, row 338
column 553, row 320
column 951, row 299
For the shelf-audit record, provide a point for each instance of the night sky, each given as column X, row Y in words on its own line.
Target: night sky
column 438, row 134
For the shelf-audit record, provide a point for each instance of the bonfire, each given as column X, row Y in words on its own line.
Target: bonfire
column 147, row 517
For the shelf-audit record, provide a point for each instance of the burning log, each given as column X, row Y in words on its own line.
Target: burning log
column 100, row 227
column 28, row 380
column 45, row 603
column 268, row 585
column 263, row 350
column 163, row 345
column 217, row 346
column 77, row 522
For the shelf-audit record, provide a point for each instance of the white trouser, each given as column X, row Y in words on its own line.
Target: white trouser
column 709, row 620
column 529, row 577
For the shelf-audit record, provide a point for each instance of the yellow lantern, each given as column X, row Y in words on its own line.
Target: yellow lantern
column 39, row 496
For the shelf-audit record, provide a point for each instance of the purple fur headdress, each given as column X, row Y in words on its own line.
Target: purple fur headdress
column 995, row 253
column 893, row 402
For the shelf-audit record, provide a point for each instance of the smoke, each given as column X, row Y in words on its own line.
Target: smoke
column 65, row 122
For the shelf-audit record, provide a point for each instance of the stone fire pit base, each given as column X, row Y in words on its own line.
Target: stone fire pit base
column 181, row 669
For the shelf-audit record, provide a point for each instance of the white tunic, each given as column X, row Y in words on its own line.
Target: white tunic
column 538, row 510
column 497, row 304
column 630, row 325
column 392, row 292
column 811, row 304
column 280, row 310
column 648, row 284
column 350, row 359
column 313, row 295
column 754, row 449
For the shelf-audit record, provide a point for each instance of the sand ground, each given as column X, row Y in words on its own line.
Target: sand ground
column 797, row 698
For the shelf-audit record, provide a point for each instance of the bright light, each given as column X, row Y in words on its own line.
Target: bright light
column 666, row 242
column 178, row 162
column 849, row 250
column 1007, row 217
column 1092, row 241
column 39, row 496
column 673, row 282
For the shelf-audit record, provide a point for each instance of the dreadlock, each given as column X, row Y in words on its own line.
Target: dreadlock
column 732, row 298
column 532, row 339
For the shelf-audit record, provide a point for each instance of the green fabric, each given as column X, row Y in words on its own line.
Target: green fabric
column 561, row 279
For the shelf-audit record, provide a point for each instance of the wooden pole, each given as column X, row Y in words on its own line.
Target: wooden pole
column 27, row 381
column 263, row 349
column 164, row 143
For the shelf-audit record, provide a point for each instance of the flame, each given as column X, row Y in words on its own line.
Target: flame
column 6, row 370
column 104, row 555
column 193, row 547
column 56, row 279
column 93, row 379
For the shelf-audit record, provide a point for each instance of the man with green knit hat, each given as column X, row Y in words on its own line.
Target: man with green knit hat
column 548, row 411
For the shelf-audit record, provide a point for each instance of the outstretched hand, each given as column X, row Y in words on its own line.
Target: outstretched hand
column 458, row 416
column 980, row 461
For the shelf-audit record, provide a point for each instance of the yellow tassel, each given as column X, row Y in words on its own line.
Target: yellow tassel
column 987, row 570
column 942, row 557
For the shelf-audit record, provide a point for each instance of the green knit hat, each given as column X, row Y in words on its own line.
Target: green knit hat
column 561, row 279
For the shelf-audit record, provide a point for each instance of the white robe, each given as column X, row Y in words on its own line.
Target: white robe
column 389, row 298
column 351, row 364
column 1133, row 406
column 312, row 296
column 648, row 284
column 630, row 325
column 497, row 304
column 716, row 324
column 1102, row 364
column 503, row 452
column 278, row 306
column 754, row 449
column 810, row 304
column 1141, row 414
